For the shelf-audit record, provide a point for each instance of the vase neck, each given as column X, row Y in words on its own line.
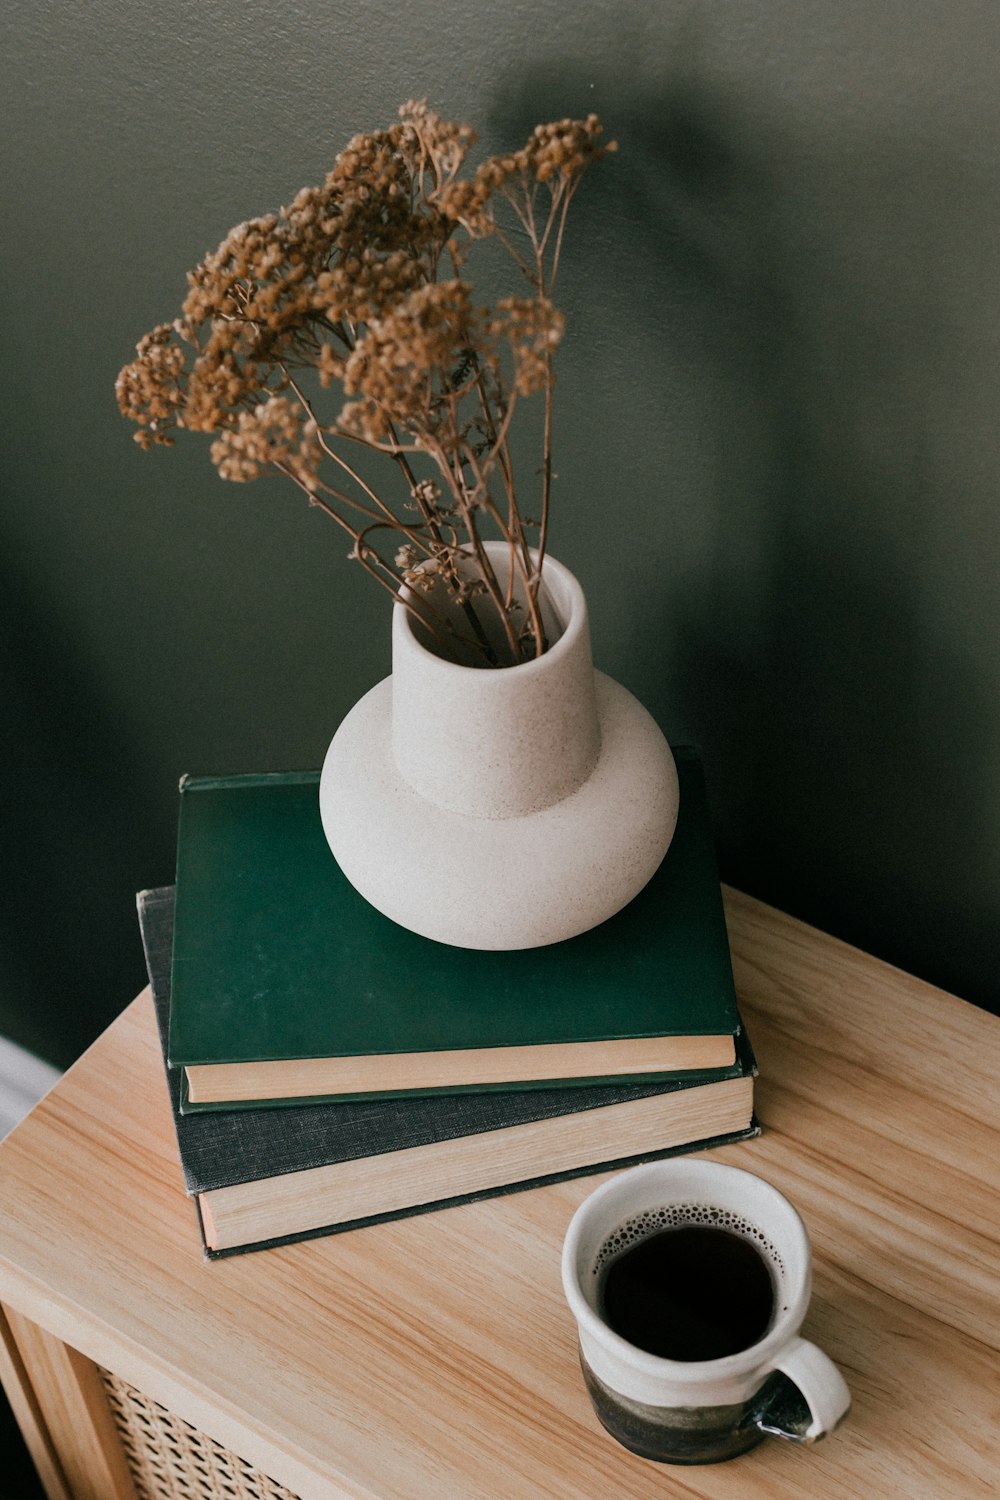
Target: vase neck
column 502, row 742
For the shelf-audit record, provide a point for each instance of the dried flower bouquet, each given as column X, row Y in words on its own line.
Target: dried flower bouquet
column 359, row 284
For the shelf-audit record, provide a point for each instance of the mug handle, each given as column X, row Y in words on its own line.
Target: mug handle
column 804, row 1397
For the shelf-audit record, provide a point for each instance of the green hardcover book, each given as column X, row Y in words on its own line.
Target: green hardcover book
column 289, row 987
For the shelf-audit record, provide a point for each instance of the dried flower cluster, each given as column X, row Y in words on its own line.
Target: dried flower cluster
column 359, row 284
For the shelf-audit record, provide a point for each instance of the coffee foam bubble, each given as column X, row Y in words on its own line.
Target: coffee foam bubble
column 680, row 1215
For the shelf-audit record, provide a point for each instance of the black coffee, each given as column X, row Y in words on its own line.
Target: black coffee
column 689, row 1292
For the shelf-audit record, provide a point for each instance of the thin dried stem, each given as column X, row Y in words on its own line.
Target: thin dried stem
column 567, row 200
column 518, row 566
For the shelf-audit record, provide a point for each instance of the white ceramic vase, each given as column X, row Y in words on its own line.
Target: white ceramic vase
column 500, row 807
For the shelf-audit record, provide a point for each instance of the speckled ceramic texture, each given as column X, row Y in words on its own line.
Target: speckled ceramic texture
column 503, row 808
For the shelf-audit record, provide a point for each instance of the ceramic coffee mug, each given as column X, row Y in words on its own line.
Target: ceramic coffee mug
column 682, row 1408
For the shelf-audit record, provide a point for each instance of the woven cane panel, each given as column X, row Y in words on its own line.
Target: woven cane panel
column 171, row 1460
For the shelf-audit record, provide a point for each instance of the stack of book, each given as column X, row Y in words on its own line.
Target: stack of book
column 328, row 1068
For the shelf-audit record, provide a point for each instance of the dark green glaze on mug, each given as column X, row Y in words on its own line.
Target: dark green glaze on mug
column 699, row 1434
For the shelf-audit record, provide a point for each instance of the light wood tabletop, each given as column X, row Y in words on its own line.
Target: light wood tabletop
column 434, row 1356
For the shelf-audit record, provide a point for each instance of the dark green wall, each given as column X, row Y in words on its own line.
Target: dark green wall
column 777, row 439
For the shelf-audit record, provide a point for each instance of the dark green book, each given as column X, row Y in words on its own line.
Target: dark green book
column 261, row 1177
column 288, row 986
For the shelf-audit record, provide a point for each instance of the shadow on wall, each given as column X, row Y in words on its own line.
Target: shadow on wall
column 847, row 746
column 76, row 822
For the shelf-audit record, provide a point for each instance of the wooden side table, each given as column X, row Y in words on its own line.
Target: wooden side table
column 434, row 1356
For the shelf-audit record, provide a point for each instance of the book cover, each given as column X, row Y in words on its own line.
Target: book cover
column 292, row 1159
column 287, row 983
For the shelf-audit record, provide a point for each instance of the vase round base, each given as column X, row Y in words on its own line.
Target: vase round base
column 500, row 883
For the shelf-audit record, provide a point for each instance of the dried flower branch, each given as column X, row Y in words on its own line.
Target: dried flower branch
column 358, row 284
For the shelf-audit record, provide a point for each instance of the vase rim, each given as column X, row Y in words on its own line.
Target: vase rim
column 570, row 608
